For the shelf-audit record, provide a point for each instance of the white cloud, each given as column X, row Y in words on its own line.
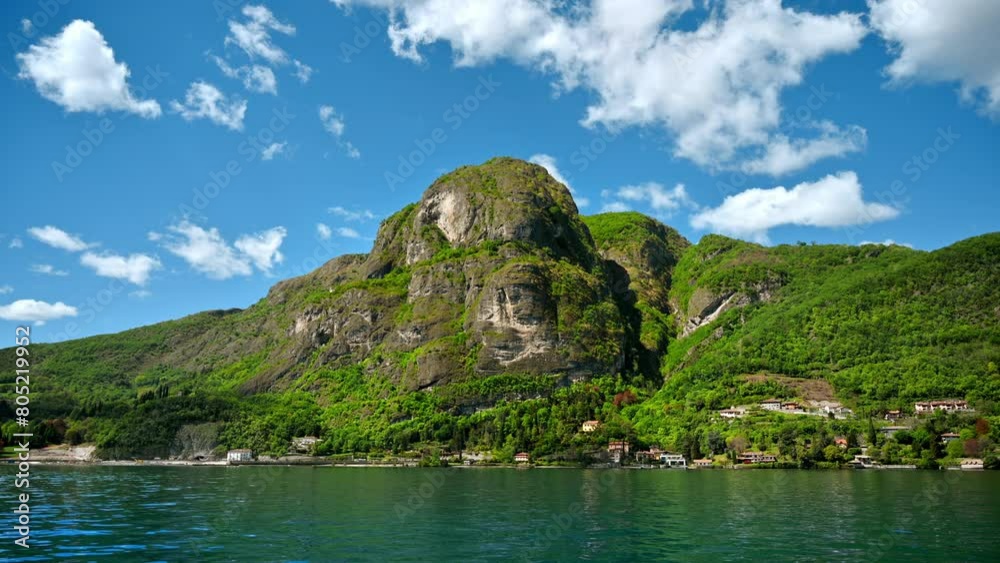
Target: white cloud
column 944, row 41
column 5, row 289
column 302, row 71
column 323, row 231
column 15, row 243
column 255, row 78
column 347, row 214
column 348, row 232
column 548, row 162
column 351, row 150
column 204, row 100
column 77, row 70
column 334, row 124
column 886, row 242
column 27, row 27
column 58, row 238
column 30, row 310
column 140, row 294
column 262, row 248
column 715, row 85
column 784, row 155
column 833, row 201
column 272, row 149
column 662, row 201
column 135, row 268
column 208, row 253
column 253, row 36
column 47, row 269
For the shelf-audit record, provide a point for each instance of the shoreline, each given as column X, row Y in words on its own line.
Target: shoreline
column 326, row 463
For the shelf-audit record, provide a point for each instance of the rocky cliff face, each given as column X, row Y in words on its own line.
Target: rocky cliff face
column 492, row 271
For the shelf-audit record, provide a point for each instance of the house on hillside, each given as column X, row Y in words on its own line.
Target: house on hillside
column 650, row 455
column 304, row 443
column 752, row 458
column 893, row 416
column 617, row 450
column 948, row 437
column 239, row 456
column 947, row 405
column 522, row 457
column 703, row 463
column 732, row 413
column 840, row 442
column 590, row 426
column 771, row 404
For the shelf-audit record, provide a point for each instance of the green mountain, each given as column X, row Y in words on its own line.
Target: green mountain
column 491, row 315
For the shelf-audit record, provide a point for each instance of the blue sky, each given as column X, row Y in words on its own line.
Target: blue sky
column 833, row 122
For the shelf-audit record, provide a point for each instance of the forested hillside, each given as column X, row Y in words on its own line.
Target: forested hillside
column 491, row 315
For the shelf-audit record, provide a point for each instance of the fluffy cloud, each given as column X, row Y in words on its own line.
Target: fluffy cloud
column 363, row 215
column 255, row 78
column 833, row 201
column 784, row 155
column 302, row 71
column 16, row 243
column 135, row 268
column 662, row 201
column 944, row 41
column 253, row 35
column 323, row 231
column 208, row 253
column 37, row 312
column 716, row 87
column 271, row 150
column 549, row 163
column 58, row 238
column 334, row 124
column 47, row 269
column 348, row 232
column 204, row 100
column 5, row 289
column 77, row 70
column 262, row 248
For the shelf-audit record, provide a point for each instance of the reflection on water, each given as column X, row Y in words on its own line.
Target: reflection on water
column 324, row 514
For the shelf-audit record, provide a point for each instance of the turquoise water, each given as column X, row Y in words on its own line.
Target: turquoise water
column 372, row 514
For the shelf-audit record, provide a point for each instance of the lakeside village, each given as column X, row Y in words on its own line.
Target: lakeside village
column 944, row 433
column 881, row 449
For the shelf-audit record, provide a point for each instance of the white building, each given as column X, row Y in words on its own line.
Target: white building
column 237, row 456
column 771, row 405
column 673, row 460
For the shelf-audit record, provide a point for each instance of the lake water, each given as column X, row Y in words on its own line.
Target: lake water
column 334, row 514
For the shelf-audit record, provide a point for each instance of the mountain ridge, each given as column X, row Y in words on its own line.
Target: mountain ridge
column 492, row 297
